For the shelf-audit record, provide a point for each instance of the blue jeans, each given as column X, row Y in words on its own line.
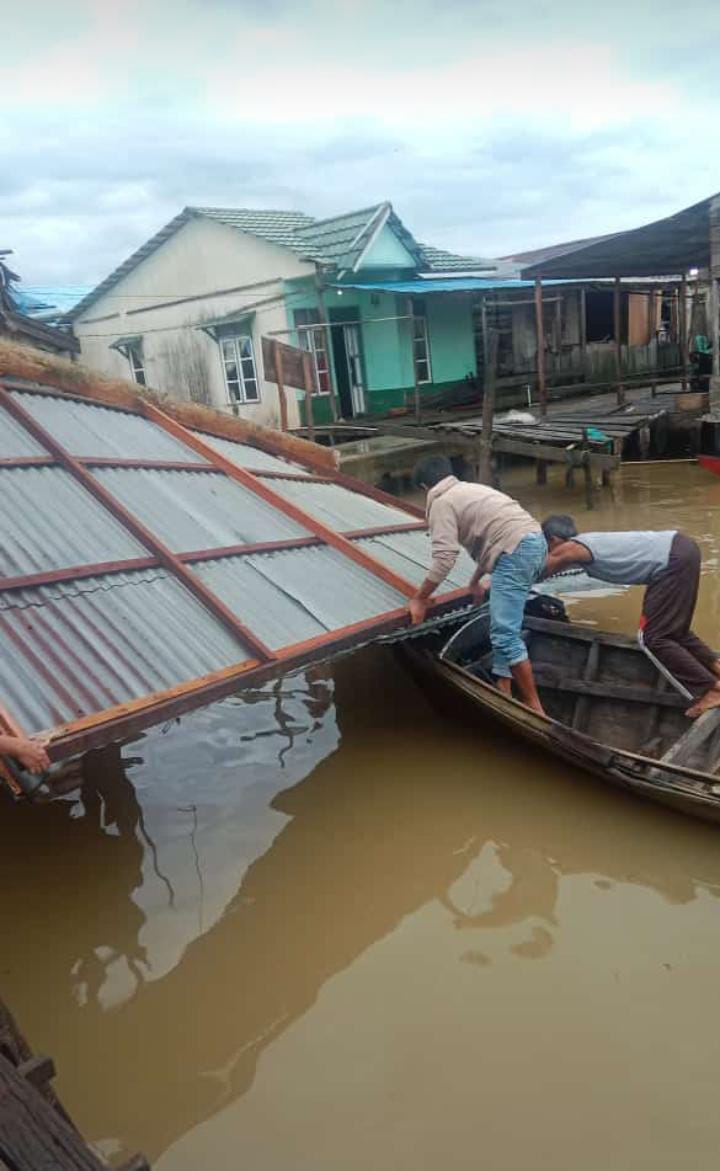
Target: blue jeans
column 512, row 577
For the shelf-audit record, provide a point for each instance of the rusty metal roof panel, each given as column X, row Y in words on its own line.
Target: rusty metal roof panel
column 254, row 458
column 338, row 507
column 91, row 644
column 88, row 429
column 295, row 594
column 15, row 440
column 48, row 521
column 197, row 510
column 409, row 555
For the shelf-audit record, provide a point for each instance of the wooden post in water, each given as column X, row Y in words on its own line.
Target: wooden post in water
column 713, row 310
column 540, row 333
column 617, row 330
column 490, row 348
column 582, row 309
column 683, row 330
column 652, row 338
column 587, row 472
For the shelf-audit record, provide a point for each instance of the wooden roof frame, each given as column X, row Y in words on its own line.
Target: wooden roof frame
column 259, row 662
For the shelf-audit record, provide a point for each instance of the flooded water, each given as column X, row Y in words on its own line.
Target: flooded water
column 328, row 927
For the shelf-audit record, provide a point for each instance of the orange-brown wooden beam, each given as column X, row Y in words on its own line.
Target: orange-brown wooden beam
column 260, row 488
column 164, row 555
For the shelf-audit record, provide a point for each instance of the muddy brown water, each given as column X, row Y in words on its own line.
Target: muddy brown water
column 327, row 926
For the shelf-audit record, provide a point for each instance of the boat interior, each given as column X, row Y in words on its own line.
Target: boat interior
column 603, row 685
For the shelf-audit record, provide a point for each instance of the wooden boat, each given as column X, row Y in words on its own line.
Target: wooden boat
column 609, row 709
column 711, row 463
column 709, row 457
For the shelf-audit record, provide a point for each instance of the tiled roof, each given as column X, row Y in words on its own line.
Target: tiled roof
column 279, row 227
column 149, row 565
column 438, row 260
column 337, row 242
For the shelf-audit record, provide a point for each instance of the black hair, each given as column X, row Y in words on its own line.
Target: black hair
column 563, row 527
column 431, row 470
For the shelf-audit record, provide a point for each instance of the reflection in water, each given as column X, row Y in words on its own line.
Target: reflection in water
column 171, row 924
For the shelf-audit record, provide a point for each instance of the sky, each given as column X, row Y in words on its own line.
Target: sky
column 491, row 126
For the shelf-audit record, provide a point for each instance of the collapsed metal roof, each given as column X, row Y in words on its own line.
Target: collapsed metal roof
column 148, row 564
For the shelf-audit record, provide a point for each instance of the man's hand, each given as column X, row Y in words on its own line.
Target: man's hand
column 31, row 754
column 418, row 609
column 479, row 592
column 479, row 586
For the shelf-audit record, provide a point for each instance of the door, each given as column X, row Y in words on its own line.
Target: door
column 354, row 368
column 347, row 359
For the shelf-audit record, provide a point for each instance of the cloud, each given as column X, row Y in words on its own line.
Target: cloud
column 490, row 128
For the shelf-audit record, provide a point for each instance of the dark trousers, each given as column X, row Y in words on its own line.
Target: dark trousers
column 668, row 610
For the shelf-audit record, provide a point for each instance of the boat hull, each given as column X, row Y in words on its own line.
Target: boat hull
column 686, row 791
column 711, row 463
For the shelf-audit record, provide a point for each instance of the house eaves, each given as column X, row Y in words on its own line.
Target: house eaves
column 277, row 227
column 157, row 555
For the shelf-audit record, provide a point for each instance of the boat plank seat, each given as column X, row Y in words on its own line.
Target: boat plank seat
column 699, row 746
column 554, row 678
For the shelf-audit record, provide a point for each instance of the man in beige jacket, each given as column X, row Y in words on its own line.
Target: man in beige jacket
column 503, row 540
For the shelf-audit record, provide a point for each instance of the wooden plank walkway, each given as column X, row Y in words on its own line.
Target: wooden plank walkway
column 567, row 427
column 36, row 1134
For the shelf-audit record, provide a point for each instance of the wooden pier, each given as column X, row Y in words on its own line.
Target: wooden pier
column 589, row 435
column 36, row 1133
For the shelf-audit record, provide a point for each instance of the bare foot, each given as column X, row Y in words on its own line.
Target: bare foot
column 707, row 701
column 505, row 685
column 537, row 707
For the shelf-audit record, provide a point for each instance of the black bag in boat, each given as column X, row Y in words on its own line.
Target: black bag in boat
column 544, row 606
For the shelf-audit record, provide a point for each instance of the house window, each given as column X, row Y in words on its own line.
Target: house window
column 315, row 342
column 421, row 348
column 137, row 364
column 599, row 316
column 239, row 367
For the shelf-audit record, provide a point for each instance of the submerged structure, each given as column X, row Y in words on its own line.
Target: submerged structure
column 157, row 555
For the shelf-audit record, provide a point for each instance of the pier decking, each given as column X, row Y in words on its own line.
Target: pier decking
column 36, row 1134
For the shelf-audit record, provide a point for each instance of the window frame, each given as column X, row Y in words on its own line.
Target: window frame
column 239, row 359
column 312, row 337
column 136, row 362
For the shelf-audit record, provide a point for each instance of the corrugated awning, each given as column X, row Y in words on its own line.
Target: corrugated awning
column 153, row 559
column 672, row 245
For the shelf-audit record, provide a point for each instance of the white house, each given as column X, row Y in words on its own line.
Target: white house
column 187, row 311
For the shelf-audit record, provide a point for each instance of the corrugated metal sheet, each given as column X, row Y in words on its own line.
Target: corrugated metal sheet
column 48, row 521
column 338, row 507
column 295, row 594
column 89, row 430
column 246, row 456
column 197, row 510
column 15, row 440
column 102, row 641
column 409, row 555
